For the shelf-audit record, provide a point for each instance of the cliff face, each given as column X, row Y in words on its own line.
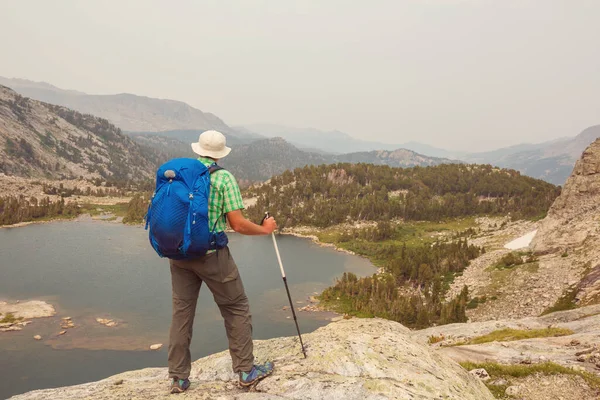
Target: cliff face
column 573, row 218
column 572, row 226
column 353, row 359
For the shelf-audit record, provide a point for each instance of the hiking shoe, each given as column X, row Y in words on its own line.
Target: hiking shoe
column 179, row 385
column 257, row 373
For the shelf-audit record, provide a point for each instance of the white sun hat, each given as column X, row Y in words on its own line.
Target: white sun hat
column 211, row 144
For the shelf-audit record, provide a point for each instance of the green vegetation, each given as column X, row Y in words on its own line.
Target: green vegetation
column 435, row 339
column 136, row 209
column 118, row 210
column 514, row 259
column 61, row 191
column 9, row 318
column 418, row 304
column 498, row 391
column 509, row 335
column 509, row 260
column 565, row 302
column 14, row 210
column 497, row 371
column 21, row 209
column 475, row 302
column 420, row 258
column 500, row 277
column 20, row 149
column 326, row 195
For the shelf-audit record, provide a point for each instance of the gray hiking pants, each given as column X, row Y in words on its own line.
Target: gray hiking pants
column 221, row 275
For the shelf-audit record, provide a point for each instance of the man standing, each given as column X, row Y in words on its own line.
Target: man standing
column 218, row 270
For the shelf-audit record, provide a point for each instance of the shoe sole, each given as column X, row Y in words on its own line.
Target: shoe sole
column 254, row 382
column 177, row 390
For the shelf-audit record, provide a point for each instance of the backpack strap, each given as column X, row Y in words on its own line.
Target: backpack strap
column 214, row 168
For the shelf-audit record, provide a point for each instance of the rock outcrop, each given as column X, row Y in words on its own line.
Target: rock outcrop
column 578, row 352
column 573, row 218
column 521, row 291
column 15, row 316
column 573, row 225
column 584, row 323
column 349, row 359
column 28, row 309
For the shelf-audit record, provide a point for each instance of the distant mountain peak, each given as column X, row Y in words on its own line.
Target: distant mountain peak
column 26, row 83
column 335, row 141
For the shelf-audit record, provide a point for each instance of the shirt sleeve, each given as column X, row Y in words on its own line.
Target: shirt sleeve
column 232, row 195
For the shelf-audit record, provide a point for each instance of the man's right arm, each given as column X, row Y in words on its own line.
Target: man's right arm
column 240, row 224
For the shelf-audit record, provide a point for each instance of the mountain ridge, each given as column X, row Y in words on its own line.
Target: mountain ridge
column 285, row 156
column 335, row 141
column 551, row 161
column 129, row 112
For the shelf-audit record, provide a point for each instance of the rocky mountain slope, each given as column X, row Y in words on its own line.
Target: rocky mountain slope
column 187, row 136
column 563, row 273
column 260, row 160
column 572, row 225
column 44, row 140
column 356, row 359
column 552, row 161
column 395, row 158
column 127, row 111
column 569, row 224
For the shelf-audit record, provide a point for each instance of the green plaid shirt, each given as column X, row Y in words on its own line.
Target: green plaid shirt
column 225, row 196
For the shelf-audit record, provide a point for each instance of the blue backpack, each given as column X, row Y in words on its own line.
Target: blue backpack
column 177, row 216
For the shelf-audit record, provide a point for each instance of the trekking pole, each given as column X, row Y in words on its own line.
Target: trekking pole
column 287, row 289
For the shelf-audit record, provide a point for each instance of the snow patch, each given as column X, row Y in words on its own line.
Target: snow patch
column 522, row 242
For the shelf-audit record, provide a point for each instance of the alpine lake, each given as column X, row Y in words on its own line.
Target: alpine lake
column 89, row 269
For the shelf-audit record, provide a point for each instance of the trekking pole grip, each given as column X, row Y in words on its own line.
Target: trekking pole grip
column 267, row 216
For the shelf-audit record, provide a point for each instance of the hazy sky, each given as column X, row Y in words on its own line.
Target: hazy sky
column 459, row 74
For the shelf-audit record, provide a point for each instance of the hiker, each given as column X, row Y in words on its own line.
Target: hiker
column 218, row 270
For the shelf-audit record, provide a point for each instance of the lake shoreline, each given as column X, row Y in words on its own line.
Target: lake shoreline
column 315, row 240
column 27, row 223
column 79, row 218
